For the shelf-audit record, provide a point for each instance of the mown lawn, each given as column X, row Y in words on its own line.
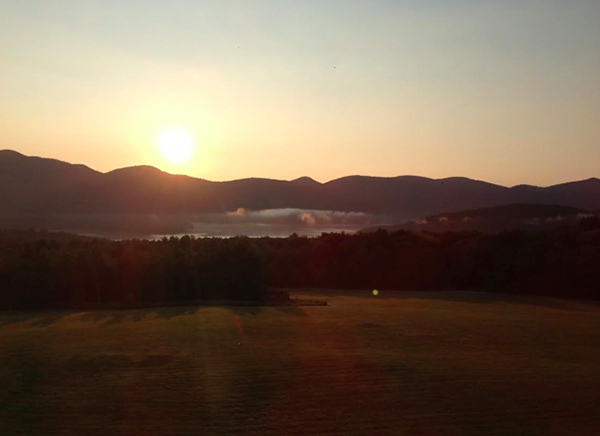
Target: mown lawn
column 398, row 363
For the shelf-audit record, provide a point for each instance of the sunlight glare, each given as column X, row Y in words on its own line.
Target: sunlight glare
column 176, row 146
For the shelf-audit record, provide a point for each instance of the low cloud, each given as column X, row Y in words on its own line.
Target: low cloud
column 584, row 215
column 290, row 216
column 308, row 218
column 240, row 212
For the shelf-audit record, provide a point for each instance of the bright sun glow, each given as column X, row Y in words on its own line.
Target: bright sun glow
column 176, row 146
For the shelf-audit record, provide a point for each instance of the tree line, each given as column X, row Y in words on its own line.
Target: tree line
column 85, row 272
column 38, row 270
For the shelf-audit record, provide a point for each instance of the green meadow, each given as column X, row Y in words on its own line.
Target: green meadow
column 392, row 364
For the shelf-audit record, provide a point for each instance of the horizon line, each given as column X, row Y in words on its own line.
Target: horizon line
column 7, row 150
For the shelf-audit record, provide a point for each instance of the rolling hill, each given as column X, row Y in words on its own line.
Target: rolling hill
column 495, row 219
column 39, row 187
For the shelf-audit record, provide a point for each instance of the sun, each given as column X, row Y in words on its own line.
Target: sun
column 176, row 146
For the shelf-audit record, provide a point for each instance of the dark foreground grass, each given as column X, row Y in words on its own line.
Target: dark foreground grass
column 404, row 363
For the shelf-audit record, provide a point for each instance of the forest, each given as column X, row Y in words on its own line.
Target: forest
column 48, row 270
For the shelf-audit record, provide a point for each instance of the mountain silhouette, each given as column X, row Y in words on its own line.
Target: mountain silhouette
column 33, row 186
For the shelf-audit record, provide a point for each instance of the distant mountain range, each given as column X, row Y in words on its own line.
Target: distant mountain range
column 34, row 186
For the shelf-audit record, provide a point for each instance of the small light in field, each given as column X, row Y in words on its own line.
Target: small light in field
column 375, row 292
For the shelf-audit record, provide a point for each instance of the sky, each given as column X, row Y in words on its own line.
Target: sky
column 506, row 91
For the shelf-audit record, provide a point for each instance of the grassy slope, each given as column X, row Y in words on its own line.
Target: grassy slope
column 410, row 363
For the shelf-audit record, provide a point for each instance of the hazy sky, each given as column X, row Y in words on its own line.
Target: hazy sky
column 506, row 91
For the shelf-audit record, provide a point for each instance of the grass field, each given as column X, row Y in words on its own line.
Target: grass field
column 399, row 363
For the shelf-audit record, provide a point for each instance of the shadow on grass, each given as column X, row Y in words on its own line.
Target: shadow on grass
column 107, row 318
column 33, row 319
column 291, row 310
column 244, row 310
column 457, row 296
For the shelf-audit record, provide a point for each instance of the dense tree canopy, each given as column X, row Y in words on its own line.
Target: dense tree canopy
column 52, row 273
column 40, row 270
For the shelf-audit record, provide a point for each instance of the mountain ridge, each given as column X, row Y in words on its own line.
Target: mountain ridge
column 42, row 186
column 9, row 152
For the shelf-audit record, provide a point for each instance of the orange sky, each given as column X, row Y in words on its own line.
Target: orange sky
column 507, row 92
